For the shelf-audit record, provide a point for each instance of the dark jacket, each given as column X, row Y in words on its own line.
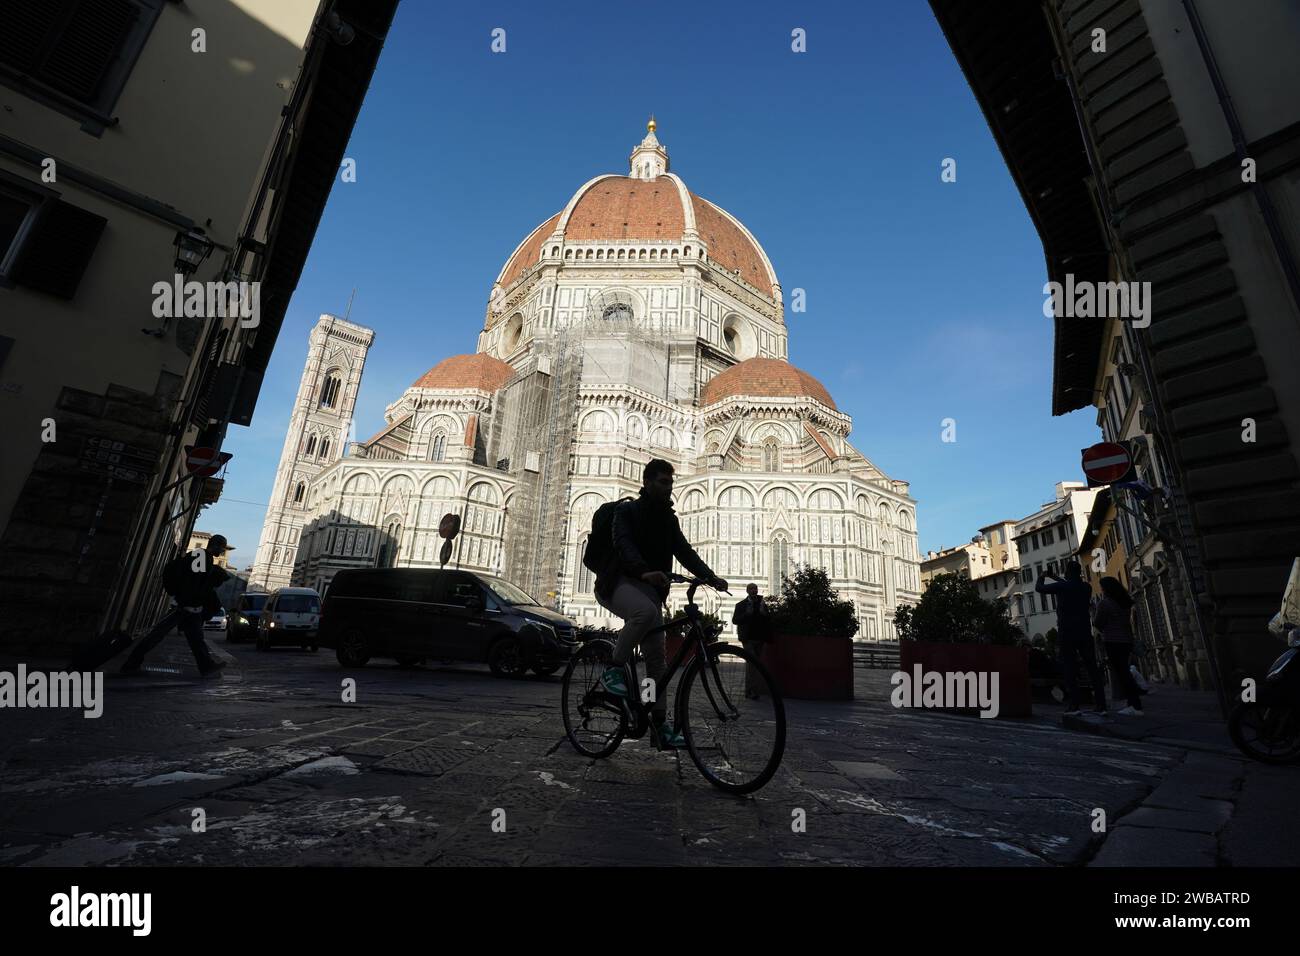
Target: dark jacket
column 1073, row 600
column 1114, row 622
column 752, row 619
column 646, row 538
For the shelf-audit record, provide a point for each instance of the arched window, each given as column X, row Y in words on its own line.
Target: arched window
column 439, row 450
column 325, row 449
column 780, row 563
column 298, row 492
column 771, row 455
column 311, row 445
column 329, row 393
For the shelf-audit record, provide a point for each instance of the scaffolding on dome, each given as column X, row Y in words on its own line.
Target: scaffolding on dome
column 535, row 420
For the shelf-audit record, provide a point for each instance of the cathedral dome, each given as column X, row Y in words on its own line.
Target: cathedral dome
column 651, row 205
column 476, row 370
column 764, row 378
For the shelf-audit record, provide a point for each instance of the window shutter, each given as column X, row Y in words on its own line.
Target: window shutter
column 28, row 30
column 69, row 45
column 58, row 249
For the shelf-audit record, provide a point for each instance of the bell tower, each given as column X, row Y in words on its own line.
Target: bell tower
column 318, row 435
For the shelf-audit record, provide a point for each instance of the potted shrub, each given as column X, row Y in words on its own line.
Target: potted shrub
column 810, row 651
column 673, row 642
column 953, row 629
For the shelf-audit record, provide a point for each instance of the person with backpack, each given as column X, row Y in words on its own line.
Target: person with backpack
column 191, row 578
column 1113, row 618
column 631, row 550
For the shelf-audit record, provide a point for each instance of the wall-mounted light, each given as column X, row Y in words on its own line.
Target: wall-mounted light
column 338, row 29
column 192, row 247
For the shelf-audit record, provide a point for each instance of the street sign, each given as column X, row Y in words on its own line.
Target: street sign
column 449, row 526
column 1106, row 463
column 203, row 461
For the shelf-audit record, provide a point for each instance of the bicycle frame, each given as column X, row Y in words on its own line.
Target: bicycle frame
column 638, row 708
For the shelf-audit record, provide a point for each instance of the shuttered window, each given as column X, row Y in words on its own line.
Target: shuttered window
column 74, row 55
column 51, row 244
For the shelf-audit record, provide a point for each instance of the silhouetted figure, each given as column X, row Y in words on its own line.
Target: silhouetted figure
column 754, row 627
column 1074, row 633
column 192, row 579
column 1113, row 618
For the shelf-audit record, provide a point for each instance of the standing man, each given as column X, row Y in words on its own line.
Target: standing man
column 1074, row 634
column 191, row 578
column 635, row 584
column 754, row 626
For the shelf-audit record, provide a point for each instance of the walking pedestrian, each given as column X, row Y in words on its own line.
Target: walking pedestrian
column 1074, row 634
column 191, row 578
column 1113, row 619
column 754, row 626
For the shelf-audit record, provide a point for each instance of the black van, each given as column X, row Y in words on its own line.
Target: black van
column 414, row 614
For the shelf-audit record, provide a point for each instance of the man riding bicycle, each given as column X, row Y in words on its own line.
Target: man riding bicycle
column 634, row 584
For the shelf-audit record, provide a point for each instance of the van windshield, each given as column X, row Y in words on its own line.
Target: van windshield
column 298, row 604
column 507, row 592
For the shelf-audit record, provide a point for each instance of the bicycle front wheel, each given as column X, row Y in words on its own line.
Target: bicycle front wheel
column 594, row 723
column 734, row 724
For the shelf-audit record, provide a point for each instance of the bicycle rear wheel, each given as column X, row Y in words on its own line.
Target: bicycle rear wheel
column 594, row 723
column 736, row 740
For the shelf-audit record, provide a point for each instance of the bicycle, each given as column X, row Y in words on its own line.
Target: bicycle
column 735, row 740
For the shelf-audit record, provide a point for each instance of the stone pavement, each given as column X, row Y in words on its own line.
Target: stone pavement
column 285, row 773
column 1214, row 808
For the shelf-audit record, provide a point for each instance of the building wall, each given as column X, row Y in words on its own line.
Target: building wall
column 189, row 135
column 1226, row 322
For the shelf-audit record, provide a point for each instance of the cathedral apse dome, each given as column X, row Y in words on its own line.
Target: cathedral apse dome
column 473, row 370
column 764, row 378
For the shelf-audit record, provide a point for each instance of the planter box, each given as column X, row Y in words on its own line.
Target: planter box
column 1011, row 664
column 811, row 668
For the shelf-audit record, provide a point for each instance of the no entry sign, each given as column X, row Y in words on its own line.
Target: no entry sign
column 203, row 461
column 1106, row 463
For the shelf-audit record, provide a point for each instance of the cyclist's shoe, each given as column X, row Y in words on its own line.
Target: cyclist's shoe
column 670, row 738
column 614, row 682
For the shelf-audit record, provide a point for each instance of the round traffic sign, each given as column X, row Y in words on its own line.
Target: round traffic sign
column 449, row 526
column 203, row 461
column 1106, row 462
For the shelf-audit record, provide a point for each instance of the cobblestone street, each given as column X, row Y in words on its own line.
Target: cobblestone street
column 287, row 774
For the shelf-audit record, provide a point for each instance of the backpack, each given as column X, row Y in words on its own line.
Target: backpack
column 176, row 574
column 600, row 543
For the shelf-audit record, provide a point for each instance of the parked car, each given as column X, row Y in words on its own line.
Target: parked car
column 216, row 622
column 416, row 614
column 244, row 618
column 290, row 616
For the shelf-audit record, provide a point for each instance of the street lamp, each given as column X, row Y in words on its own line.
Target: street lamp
column 192, row 247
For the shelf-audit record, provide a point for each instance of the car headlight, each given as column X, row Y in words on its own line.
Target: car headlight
column 272, row 624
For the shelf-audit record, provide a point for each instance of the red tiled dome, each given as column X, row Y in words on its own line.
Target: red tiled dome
column 477, row 370
column 766, row 378
column 624, row 208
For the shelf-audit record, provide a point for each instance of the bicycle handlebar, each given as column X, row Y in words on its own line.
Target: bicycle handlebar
column 693, row 582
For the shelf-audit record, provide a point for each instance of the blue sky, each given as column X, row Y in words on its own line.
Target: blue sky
column 924, row 297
